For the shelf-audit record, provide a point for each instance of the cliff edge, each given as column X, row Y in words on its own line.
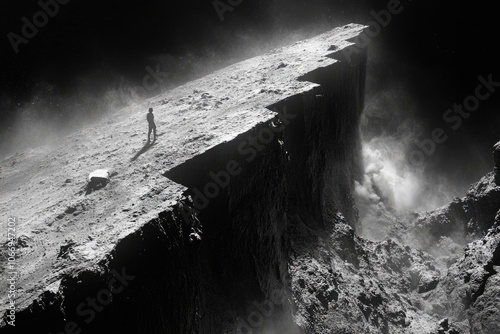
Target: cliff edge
column 197, row 221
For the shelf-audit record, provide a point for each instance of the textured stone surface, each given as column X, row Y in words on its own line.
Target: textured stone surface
column 466, row 293
column 463, row 220
column 345, row 284
column 496, row 159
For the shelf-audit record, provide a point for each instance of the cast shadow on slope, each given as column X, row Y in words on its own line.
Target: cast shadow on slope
column 143, row 150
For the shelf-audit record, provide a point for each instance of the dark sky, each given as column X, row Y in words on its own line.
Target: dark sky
column 437, row 49
column 454, row 39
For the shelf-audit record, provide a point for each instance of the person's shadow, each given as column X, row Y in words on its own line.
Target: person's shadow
column 144, row 149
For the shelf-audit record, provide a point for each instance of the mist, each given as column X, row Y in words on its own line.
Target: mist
column 55, row 105
column 395, row 124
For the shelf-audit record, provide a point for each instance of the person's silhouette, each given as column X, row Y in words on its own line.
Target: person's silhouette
column 152, row 125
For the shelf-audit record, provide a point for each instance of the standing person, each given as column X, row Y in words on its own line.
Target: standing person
column 152, row 125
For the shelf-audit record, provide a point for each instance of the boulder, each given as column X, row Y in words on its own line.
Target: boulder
column 99, row 175
column 97, row 180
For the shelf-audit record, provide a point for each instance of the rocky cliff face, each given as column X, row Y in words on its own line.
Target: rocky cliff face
column 240, row 219
column 196, row 226
column 468, row 291
column 436, row 274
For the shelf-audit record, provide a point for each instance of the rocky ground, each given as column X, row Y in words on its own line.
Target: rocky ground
column 346, row 284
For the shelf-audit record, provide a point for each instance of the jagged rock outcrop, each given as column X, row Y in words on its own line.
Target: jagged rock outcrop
column 463, row 220
column 346, row 284
column 467, row 294
column 496, row 158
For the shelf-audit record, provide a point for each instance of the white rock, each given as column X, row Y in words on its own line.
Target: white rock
column 99, row 174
